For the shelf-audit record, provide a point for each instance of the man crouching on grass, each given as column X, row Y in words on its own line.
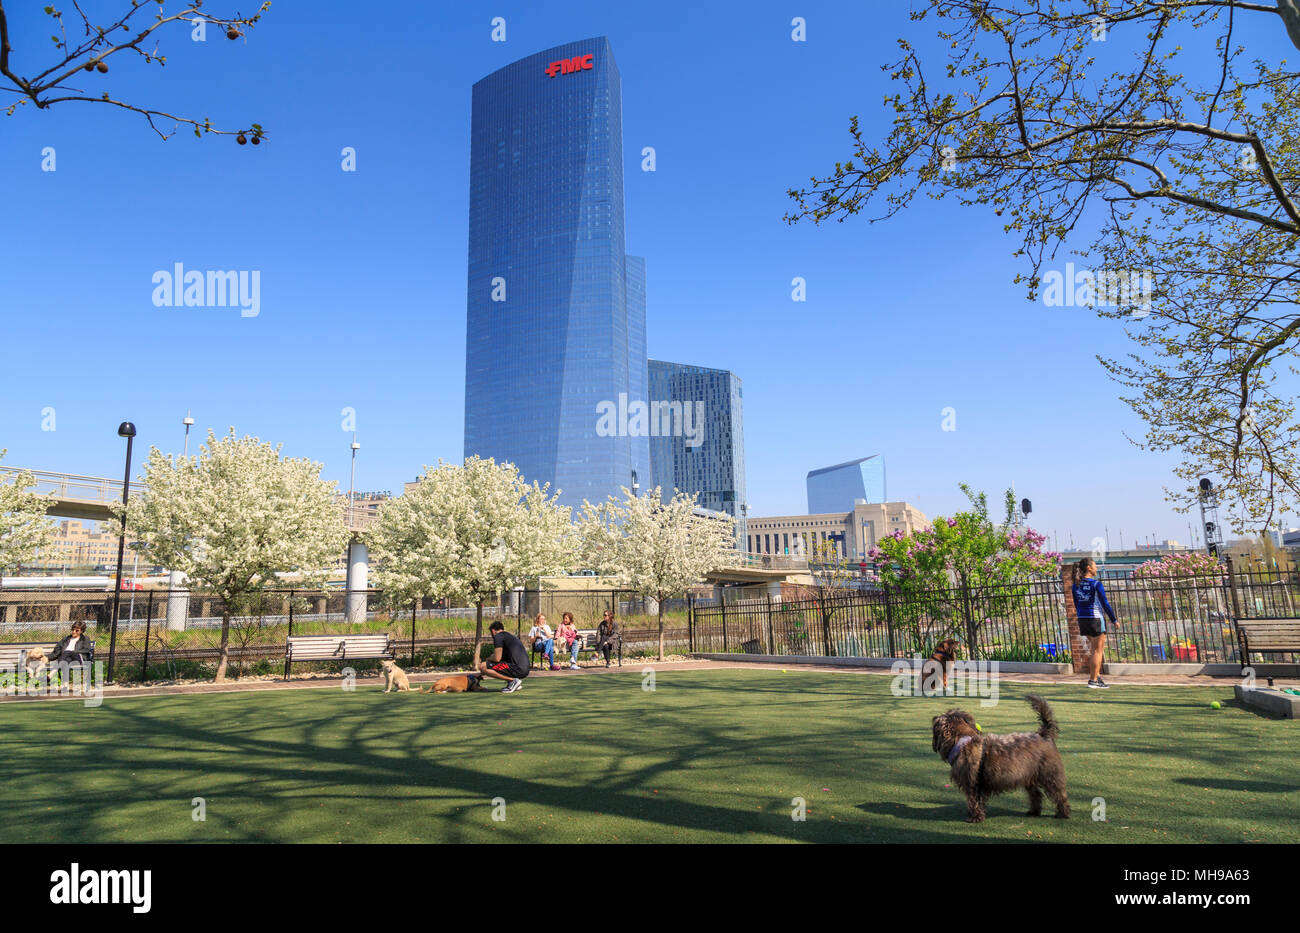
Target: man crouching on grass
column 509, row 661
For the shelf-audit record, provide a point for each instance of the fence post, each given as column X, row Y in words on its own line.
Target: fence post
column 889, row 622
column 286, row 647
column 722, row 604
column 690, row 621
column 1232, row 590
column 771, row 641
column 414, row 604
column 971, row 640
column 148, row 624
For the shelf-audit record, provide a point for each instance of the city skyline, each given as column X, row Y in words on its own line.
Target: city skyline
column 362, row 274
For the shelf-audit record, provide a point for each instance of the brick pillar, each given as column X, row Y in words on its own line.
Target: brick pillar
column 1079, row 650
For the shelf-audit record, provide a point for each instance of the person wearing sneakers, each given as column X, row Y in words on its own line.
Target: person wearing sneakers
column 543, row 640
column 1089, row 602
column 509, row 661
column 568, row 635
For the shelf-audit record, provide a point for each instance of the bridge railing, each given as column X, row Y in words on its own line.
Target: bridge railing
column 72, row 487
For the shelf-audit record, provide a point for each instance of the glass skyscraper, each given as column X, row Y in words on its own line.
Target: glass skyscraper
column 555, row 313
column 697, row 442
column 836, row 488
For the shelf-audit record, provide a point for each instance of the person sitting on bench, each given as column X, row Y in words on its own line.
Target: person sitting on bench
column 607, row 635
column 74, row 648
column 543, row 640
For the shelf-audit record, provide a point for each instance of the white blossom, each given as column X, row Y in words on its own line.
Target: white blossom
column 467, row 533
column 24, row 528
column 234, row 516
column 654, row 548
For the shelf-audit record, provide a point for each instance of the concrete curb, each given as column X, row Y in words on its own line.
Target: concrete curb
column 1270, row 700
column 1008, row 667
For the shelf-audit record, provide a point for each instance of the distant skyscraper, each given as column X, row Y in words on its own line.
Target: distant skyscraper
column 697, row 442
column 555, row 322
column 836, row 488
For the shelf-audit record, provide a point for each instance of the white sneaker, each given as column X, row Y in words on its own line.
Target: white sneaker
column 513, row 686
column 574, row 667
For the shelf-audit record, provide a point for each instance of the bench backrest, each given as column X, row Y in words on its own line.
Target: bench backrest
column 1271, row 634
column 587, row 637
column 338, row 647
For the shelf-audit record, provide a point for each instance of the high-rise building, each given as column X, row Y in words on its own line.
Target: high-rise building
column 555, row 316
column 837, row 488
column 697, row 437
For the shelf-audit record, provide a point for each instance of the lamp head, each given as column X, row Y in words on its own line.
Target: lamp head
column 126, row 429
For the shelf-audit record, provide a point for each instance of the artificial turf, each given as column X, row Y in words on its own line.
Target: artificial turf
column 707, row 756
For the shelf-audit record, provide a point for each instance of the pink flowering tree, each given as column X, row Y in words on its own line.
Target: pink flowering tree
column 1180, row 567
column 961, row 573
column 1182, row 586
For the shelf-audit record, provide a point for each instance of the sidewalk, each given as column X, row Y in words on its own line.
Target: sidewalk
column 637, row 667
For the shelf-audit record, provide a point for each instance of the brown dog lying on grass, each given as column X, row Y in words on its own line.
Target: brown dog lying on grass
column 455, row 683
column 984, row 764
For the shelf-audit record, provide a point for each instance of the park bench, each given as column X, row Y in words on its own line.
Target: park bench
column 1267, row 636
column 14, row 657
column 586, row 641
column 337, row 648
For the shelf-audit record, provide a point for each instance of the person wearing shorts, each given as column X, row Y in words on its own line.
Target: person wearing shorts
column 509, row 660
column 1089, row 601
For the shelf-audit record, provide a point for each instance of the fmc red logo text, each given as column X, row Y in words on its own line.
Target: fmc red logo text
column 567, row 66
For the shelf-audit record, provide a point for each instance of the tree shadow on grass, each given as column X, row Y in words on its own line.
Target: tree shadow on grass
column 1253, row 787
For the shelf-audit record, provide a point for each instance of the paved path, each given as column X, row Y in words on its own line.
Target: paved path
column 371, row 682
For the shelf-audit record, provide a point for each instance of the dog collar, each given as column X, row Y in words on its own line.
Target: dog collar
column 956, row 749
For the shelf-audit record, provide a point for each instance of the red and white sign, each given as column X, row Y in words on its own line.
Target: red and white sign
column 568, row 66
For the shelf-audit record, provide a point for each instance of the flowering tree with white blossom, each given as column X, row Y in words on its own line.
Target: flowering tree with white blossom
column 24, row 529
column 233, row 517
column 654, row 548
column 469, row 532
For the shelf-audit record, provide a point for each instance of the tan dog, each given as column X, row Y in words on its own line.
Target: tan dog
column 37, row 661
column 394, row 676
column 456, row 683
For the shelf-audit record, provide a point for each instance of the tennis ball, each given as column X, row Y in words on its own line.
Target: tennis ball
column 1215, row 704
column 978, row 727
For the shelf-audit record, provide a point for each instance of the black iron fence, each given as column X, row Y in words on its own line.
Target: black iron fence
column 171, row 633
column 1159, row 621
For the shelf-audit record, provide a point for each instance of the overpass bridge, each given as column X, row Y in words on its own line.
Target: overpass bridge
column 91, row 497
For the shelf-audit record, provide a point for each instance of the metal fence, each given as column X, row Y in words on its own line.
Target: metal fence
column 162, row 633
column 1166, row 621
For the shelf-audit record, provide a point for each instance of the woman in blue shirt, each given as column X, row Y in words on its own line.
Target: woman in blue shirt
column 1089, row 602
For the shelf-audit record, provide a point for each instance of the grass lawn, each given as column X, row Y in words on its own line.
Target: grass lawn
column 708, row 756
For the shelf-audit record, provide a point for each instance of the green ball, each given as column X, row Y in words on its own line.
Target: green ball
column 1215, row 704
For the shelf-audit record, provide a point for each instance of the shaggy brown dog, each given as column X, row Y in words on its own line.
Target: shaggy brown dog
column 984, row 764
column 456, row 683
column 944, row 654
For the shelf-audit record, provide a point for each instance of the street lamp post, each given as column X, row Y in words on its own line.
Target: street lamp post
column 125, row 429
column 188, row 422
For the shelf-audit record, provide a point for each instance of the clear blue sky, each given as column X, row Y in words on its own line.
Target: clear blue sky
column 363, row 275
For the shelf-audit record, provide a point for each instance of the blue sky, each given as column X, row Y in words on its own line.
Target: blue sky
column 363, row 274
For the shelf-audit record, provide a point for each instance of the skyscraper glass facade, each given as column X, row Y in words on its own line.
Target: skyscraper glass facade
column 555, row 312
column 836, row 488
column 697, row 442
